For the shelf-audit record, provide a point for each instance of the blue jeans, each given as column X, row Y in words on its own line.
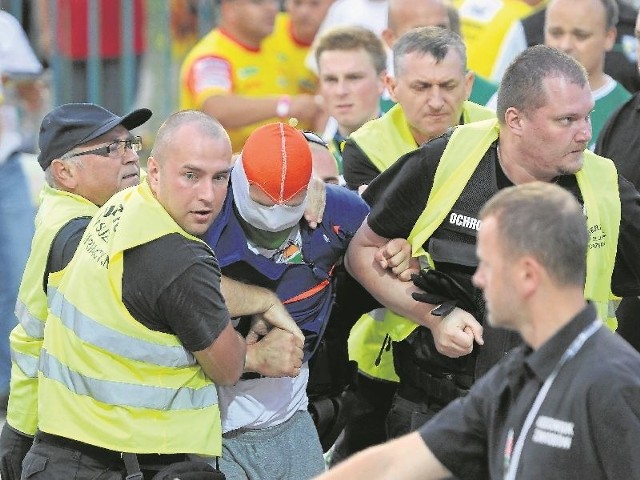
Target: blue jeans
column 17, row 215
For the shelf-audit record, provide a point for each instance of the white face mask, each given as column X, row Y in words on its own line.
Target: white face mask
column 276, row 218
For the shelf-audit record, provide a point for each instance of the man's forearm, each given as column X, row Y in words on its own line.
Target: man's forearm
column 407, row 457
column 244, row 299
column 383, row 284
column 235, row 111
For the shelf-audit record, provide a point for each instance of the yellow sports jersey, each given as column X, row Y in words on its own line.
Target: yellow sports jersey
column 220, row 65
column 291, row 54
column 484, row 23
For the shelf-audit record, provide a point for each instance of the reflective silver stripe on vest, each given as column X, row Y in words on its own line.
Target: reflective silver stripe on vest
column 26, row 363
column 113, row 341
column 33, row 326
column 127, row 394
column 612, row 307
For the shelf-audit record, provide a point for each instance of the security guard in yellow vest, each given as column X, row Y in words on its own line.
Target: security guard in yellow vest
column 432, row 196
column 383, row 140
column 431, row 85
column 128, row 361
column 67, row 202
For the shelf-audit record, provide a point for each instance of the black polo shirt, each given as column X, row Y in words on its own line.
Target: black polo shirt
column 588, row 426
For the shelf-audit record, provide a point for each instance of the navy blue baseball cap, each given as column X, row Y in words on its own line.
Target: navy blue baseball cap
column 67, row 126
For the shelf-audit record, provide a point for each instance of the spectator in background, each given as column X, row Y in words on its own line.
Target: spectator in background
column 484, row 25
column 619, row 62
column 619, row 140
column 586, row 30
column 406, row 14
column 184, row 26
column 371, row 14
column 71, row 43
column 292, row 36
column 19, row 89
column 229, row 76
column 351, row 65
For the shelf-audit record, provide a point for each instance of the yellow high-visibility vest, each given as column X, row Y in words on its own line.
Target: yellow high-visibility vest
column 384, row 140
column 56, row 209
column 598, row 183
column 105, row 379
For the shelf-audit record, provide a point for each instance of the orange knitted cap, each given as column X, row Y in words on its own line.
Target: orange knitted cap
column 277, row 159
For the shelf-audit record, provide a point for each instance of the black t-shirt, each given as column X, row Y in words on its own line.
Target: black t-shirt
column 64, row 245
column 357, row 168
column 400, row 193
column 181, row 296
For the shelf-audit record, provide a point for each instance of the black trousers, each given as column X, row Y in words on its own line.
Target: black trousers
column 13, row 448
column 366, row 427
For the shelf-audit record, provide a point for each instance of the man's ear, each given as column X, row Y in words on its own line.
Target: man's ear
column 610, row 39
column 65, row 174
column 153, row 170
column 388, row 37
column 513, row 119
column 390, row 83
column 469, row 78
column 529, row 272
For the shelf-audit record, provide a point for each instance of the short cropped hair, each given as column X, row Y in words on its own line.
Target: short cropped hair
column 546, row 222
column 164, row 139
column 353, row 38
column 611, row 13
column 522, row 84
column 435, row 41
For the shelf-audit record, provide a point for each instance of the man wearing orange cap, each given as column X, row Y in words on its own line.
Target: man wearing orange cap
column 261, row 237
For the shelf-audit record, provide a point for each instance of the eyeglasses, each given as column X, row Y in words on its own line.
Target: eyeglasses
column 119, row 146
column 314, row 138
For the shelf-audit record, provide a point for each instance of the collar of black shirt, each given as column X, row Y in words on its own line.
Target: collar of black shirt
column 543, row 360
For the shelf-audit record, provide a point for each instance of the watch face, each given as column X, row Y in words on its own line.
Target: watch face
column 283, row 106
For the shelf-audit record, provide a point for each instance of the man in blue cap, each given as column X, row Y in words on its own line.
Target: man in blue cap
column 87, row 154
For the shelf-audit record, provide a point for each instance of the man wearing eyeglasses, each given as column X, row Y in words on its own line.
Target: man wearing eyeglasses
column 87, row 154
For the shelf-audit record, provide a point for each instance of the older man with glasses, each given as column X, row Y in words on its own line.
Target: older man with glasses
column 87, row 154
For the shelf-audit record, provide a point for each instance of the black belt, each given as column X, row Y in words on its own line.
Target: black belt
column 108, row 457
